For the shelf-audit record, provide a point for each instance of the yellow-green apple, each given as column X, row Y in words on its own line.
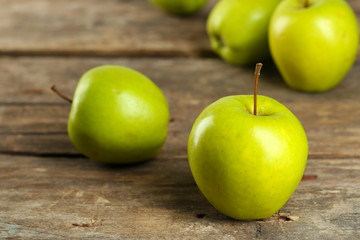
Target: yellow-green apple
column 238, row 30
column 118, row 116
column 246, row 160
column 179, row 7
column 314, row 43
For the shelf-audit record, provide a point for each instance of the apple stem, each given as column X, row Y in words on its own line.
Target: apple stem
column 307, row 3
column 55, row 90
column 257, row 75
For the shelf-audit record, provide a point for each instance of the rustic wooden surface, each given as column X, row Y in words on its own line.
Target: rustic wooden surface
column 92, row 27
column 49, row 190
column 103, row 28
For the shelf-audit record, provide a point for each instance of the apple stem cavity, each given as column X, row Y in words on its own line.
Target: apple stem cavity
column 307, row 3
column 55, row 90
column 257, row 75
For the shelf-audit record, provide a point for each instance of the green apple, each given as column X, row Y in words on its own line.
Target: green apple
column 246, row 165
column 179, row 7
column 118, row 116
column 313, row 43
column 238, row 30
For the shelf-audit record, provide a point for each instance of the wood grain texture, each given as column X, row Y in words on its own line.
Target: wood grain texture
column 91, row 27
column 48, row 190
column 76, row 198
column 102, row 28
column 33, row 119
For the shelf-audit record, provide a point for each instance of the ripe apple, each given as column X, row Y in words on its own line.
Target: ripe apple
column 238, row 30
column 313, row 43
column 247, row 161
column 179, row 7
column 118, row 116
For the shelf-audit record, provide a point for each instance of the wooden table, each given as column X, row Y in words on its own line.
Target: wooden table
column 48, row 190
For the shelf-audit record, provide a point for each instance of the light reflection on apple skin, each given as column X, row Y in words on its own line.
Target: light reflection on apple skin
column 238, row 30
column 325, row 28
column 202, row 126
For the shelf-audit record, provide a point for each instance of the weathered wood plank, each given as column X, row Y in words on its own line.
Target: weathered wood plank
column 33, row 119
column 62, row 198
column 42, row 129
column 90, row 27
column 28, row 79
column 46, row 197
column 109, row 28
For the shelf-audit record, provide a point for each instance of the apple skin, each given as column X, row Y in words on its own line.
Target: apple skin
column 118, row 116
column 247, row 166
column 314, row 47
column 179, row 7
column 238, row 30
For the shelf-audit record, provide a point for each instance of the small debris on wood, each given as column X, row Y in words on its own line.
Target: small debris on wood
column 80, row 225
column 93, row 223
column 201, row 215
column 281, row 217
column 172, row 119
column 309, row 177
column 294, row 218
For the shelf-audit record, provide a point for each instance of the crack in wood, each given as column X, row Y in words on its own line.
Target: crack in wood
column 201, row 215
column 195, row 53
column 44, row 155
column 258, row 230
column 79, row 155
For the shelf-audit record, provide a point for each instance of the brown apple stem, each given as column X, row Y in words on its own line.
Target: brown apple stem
column 55, row 90
column 307, row 3
column 257, row 75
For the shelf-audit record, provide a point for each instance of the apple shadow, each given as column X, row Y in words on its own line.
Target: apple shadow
column 119, row 166
column 271, row 75
column 173, row 188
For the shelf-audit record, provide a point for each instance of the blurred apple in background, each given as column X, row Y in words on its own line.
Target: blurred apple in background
column 314, row 43
column 179, row 7
column 238, row 30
